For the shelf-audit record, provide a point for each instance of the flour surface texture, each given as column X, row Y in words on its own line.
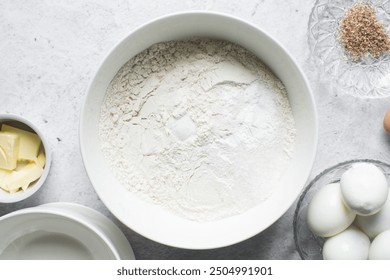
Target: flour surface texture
column 201, row 127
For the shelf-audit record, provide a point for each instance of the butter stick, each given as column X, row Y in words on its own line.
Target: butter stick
column 9, row 147
column 29, row 142
column 22, row 177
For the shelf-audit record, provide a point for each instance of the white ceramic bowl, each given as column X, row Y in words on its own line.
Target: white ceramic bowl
column 61, row 231
column 155, row 222
column 22, row 123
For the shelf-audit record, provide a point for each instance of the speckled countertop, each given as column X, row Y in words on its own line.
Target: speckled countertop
column 49, row 51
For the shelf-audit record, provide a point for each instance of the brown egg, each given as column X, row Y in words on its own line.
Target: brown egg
column 386, row 121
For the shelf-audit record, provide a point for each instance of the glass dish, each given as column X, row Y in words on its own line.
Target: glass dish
column 368, row 77
column 309, row 246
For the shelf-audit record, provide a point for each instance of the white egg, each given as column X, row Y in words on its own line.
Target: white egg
column 377, row 223
column 364, row 188
column 351, row 244
column 326, row 214
column 380, row 247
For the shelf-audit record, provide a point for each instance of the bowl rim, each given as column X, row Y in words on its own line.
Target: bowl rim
column 238, row 20
column 55, row 211
column 98, row 222
column 313, row 181
column 19, row 196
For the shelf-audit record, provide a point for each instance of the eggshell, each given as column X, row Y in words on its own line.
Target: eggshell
column 351, row 244
column 327, row 215
column 377, row 223
column 380, row 247
column 386, row 121
column 364, row 188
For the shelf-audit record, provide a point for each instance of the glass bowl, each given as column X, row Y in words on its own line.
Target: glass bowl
column 368, row 77
column 309, row 246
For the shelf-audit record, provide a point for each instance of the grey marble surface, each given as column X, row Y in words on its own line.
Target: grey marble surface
column 49, row 51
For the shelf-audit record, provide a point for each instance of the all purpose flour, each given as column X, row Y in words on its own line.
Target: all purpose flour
column 200, row 127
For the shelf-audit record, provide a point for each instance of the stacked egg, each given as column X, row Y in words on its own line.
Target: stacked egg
column 353, row 215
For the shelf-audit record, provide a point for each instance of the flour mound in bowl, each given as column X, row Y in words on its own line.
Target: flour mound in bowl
column 201, row 127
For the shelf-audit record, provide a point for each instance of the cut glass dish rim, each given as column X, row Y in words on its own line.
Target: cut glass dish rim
column 366, row 78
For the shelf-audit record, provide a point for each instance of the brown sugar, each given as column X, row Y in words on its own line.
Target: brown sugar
column 361, row 32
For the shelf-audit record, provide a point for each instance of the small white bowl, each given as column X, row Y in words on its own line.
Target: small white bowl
column 154, row 221
column 61, row 231
column 22, row 123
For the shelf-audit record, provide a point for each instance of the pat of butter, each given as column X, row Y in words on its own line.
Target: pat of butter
column 3, row 174
column 41, row 159
column 9, row 148
column 29, row 142
column 22, row 177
